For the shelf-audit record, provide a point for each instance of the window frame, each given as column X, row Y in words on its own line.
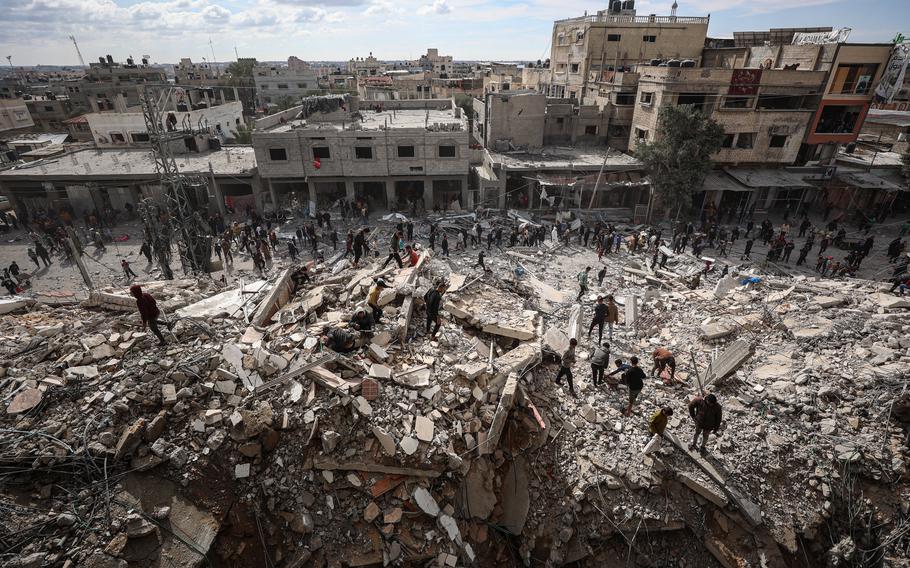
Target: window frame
column 272, row 154
column 358, row 149
column 319, row 150
column 454, row 148
column 411, row 146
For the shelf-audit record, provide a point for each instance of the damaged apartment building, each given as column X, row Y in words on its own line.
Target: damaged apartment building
column 389, row 154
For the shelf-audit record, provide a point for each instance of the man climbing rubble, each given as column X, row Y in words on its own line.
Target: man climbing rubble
column 340, row 340
column 657, row 425
column 373, row 298
column 599, row 361
column 149, row 312
column 433, row 300
column 565, row 367
column 599, row 319
column 707, row 414
column 361, row 320
column 634, row 379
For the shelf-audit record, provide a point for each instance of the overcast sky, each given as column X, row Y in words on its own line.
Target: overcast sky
column 35, row 31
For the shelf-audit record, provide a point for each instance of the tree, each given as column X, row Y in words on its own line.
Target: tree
column 679, row 158
column 244, row 135
column 242, row 67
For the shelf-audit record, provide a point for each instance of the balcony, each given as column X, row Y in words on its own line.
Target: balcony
column 622, row 19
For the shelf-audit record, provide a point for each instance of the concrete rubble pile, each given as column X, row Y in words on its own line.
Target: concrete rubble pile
column 246, row 442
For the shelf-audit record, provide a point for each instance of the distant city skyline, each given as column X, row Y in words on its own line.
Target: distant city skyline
column 36, row 31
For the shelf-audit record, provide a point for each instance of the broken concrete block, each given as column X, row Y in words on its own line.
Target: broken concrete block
column 393, row 516
column 130, row 439
column 168, row 394
column 717, row 330
column 371, row 512
column 424, row 427
column 588, row 413
column 426, row 502
column 330, row 441
column 363, row 406
column 718, row 499
column 385, row 440
column 380, row 371
column 377, row 353
column 24, row 401
column 408, row 445
column 471, row 371
column 829, row 301
column 226, row 387
column 241, row 470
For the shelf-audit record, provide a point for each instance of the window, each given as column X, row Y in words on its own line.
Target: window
column 48, row 108
column 649, row 39
column 838, row 119
column 738, row 102
column 406, row 152
column 117, row 138
column 416, row 168
column 613, row 37
column 728, row 141
column 278, row 154
column 641, row 135
column 282, row 85
column 321, row 152
column 574, row 68
column 301, row 85
column 140, row 136
column 265, row 87
column 363, row 152
column 744, row 141
column 591, row 130
column 447, row 151
column 777, row 141
column 625, row 99
column 646, row 98
column 853, row 78
column 571, row 94
column 560, row 120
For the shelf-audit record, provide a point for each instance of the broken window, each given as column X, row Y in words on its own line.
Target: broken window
column 614, row 37
column 744, row 140
column 447, row 151
column 733, row 101
column 591, row 130
column 301, row 85
column 117, row 138
column 321, row 153
column 140, row 136
column 853, row 78
column 278, row 154
column 641, row 135
column 624, row 99
column 649, row 38
column 838, row 119
column 778, row 141
column 406, row 152
column 574, row 68
column 646, row 98
column 282, row 85
column 363, row 152
column 727, row 141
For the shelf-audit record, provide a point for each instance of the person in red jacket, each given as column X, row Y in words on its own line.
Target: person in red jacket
column 149, row 312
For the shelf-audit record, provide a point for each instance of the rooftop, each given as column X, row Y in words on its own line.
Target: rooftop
column 565, row 158
column 38, row 138
column 138, row 163
column 375, row 121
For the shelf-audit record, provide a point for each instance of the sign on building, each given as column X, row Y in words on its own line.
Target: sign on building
column 894, row 74
column 839, row 35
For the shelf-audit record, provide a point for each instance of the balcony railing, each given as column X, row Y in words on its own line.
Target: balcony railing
column 622, row 19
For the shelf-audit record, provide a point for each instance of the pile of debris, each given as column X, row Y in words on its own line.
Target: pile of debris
column 248, row 441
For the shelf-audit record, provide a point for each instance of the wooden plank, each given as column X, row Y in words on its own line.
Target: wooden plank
column 284, row 379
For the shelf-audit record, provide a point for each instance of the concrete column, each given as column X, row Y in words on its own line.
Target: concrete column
column 390, row 193
column 273, row 195
column 428, row 194
column 311, row 187
column 349, row 193
column 467, row 198
column 501, row 178
column 257, row 193
column 532, row 189
column 216, row 191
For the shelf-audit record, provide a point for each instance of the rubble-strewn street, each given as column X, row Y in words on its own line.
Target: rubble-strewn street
column 247, row 441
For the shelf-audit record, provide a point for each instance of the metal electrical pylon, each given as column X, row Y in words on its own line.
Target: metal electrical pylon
column 179, row 219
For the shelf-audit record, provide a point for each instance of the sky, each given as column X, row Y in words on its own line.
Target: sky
column 36, row 31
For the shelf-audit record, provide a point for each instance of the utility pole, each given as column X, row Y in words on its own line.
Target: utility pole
column 180, row 218
column 236, row 54
column 212, row 47
column 79, row 53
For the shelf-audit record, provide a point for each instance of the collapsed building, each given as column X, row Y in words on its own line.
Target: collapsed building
column 245, row 442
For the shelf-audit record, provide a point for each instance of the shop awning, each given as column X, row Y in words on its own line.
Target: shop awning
column 768, row 177
column 719, row 181
column 868, row 180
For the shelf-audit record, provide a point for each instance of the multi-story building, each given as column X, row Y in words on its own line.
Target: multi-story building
column 14, row 115
column 274, row 83
column 49, row 112
column 106, row 82
column 588, row 50
column 365, row 66
column 222, row 85
column 189, row 111
column 410, row 152
column 440, row 65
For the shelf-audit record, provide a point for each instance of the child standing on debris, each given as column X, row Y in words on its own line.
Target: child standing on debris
column 373, row 298
column 149, row 312
column 445, row 244
column 634, row 379
column 657, row 425
column 565, row 368
column 125, row 265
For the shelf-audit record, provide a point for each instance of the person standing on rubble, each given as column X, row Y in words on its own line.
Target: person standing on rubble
column 127, row 271
column 634, row 379
column 394, row 247
column 226, row 249
column 657, row 425
column 746, row 253
column 707, row 415
column 149, row 312
column 445, row 244
column 565, row 368
column 360, row 245
column 803, row 253
column 433, row 301
column 599, row 319
column 480, row 260
column 582, row 278
column 410, row 228
column 41, row 251
column 612, row 315
column 34, row 256
column 373, row 298
column 292, row 250
column 601, row 274
column 333, row 236
column 599, row 361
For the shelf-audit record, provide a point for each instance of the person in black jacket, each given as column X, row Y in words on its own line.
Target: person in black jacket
column 433, row 299
column 634, row 379
column 600, row 317
column 707, row 415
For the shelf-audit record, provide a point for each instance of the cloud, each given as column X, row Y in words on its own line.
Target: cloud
column 215, row 13
column 437, row 7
